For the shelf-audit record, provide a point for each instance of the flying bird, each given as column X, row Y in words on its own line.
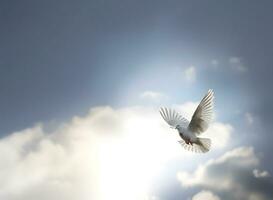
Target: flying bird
column 189, row 131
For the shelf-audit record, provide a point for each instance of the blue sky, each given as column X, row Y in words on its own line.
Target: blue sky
column 60, row 59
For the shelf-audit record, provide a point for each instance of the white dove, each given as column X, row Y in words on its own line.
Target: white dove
column 199, row 123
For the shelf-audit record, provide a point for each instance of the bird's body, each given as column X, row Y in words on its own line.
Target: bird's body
column 187, row 136
column 189, row 131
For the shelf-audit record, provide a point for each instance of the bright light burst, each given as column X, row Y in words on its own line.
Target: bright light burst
column 129, row 164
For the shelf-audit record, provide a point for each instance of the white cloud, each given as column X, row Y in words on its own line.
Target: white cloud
column 219, row 133
column 113, row 150
column 37, row 165
column 244, row 156
column 152, row 198
column 260, row 174
column 230, row 175
column 205, row 195
column 190, row 74
column 152, row 95
column 237, row 64
column 187, row 109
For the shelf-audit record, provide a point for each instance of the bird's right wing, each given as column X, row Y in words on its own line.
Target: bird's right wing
column 202, row 115
column 173, row 118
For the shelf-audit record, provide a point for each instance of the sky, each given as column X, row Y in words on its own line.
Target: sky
column 81, row 83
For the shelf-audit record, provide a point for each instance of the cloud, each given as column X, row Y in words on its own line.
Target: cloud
column 190, row 74
column 151, row 198
column 38, row 165
column 205, row 195
column 230, row 176
column 237, row 64
column 113, row 150
column 151, row 95
column 260, row 174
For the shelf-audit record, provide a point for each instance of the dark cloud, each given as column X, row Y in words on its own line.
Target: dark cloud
column 231, row 176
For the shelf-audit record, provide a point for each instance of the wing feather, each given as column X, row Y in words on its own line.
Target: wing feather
column 173, row 118
column 203, row 114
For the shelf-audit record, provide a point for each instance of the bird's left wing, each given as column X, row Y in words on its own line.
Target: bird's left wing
column 173, row 118
column 203, row 114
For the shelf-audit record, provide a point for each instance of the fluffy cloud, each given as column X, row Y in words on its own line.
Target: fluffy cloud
column 260, row 174
column 190, row 74
column 230, row 176
column 205, row 195
column 151, row 198
column 39, row 165
column 114, row 150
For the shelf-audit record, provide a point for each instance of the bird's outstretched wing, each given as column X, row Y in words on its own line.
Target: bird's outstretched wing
column 173, row 118
column 202, row 115
column 200, row 147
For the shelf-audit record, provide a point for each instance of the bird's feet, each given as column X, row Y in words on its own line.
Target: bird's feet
column 188, row 142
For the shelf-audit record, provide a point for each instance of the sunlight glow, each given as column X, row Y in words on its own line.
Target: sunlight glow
column 129, row 164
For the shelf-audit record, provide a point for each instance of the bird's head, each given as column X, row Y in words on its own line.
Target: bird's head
column 177, row 127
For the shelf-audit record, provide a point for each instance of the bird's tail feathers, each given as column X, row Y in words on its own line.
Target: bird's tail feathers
column 204, row 144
